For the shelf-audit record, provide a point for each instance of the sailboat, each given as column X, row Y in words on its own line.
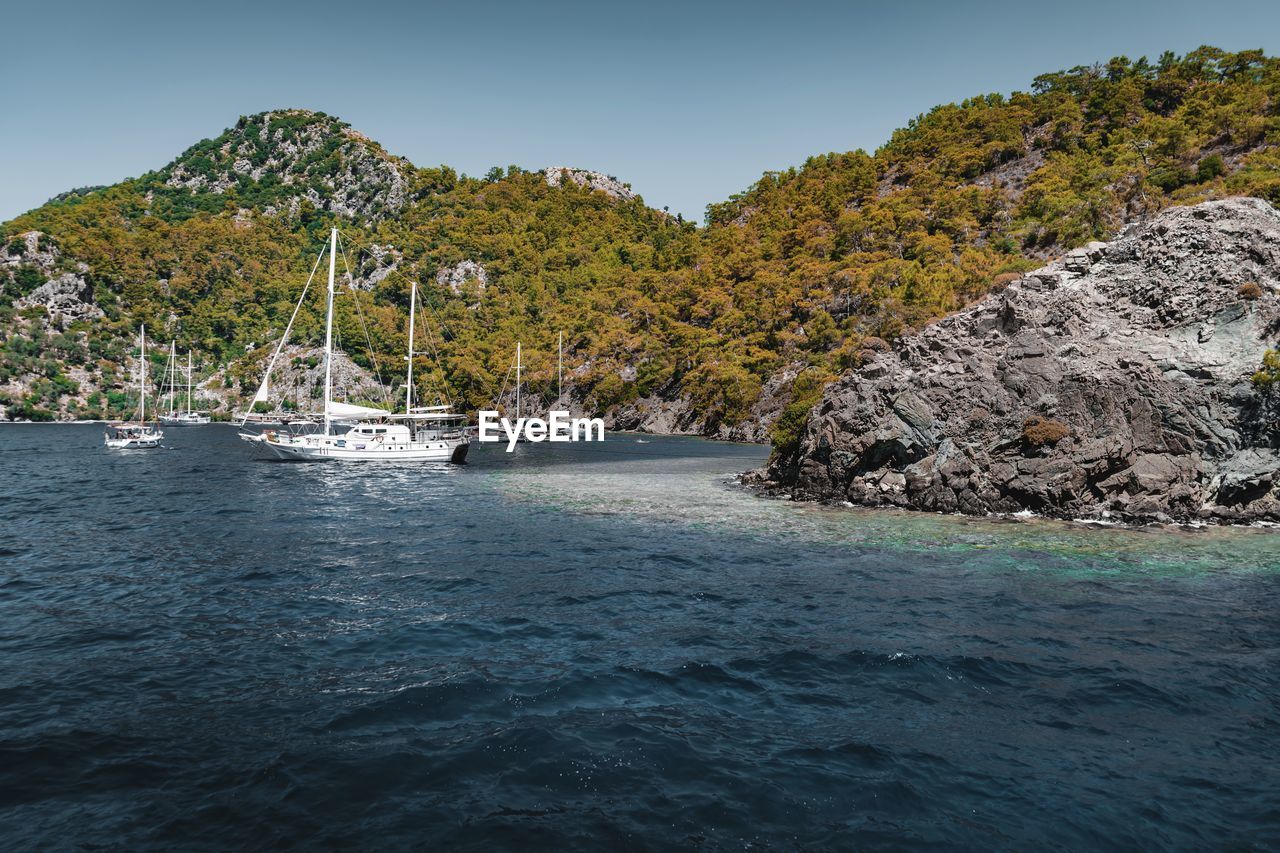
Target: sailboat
column 135, row 435
column 419, row 434
column 518, row 366
column 174, row 417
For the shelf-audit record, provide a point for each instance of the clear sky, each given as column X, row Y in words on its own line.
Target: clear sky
column 687, row 101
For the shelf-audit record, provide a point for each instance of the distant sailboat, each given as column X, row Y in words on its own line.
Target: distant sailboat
column 518, row 393
column 420, row 434
column 135, row 435
column 176, row 417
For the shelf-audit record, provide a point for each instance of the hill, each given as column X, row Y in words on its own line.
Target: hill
column 719, row 329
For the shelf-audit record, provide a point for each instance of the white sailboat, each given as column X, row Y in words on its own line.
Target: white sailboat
column 419, row 434
column 176, row 417
column 135, row 435
column 518, row 391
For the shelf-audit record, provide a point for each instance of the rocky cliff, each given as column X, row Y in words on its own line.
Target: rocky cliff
column 1112, row 383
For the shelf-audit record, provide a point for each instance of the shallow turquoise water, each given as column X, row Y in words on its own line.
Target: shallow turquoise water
column 574, row 647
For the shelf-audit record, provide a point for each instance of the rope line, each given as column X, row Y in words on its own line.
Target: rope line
column 422, row 305
column 373, row 357
column 270, row 364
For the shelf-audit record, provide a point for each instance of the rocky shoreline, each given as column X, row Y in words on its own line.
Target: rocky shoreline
column 1113, row 384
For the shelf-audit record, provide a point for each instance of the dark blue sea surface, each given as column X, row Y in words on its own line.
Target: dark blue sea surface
column 606, row 646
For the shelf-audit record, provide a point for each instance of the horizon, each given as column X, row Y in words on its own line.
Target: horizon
column 724, row 99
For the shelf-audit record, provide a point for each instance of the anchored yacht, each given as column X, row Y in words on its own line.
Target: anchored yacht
column 419, row 434
column 135, row 435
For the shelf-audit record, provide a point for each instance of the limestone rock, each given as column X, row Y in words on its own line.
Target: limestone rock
column 67, row 298
column 606, row 184
column 459, row 274
column 65, row 293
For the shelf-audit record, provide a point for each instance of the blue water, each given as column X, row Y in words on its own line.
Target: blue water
column 597, row 646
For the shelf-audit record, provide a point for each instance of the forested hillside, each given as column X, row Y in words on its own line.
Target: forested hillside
column 667, row 325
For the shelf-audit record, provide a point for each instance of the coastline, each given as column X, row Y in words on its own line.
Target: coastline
column 767, row 490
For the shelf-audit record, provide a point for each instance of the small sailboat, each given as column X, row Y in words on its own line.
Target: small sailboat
column 419, row 434
column 518, row 366
column 135, row 435
column 176, row 417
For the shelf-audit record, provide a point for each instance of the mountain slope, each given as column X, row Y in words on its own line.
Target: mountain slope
column 714, row 330
column 278, row 162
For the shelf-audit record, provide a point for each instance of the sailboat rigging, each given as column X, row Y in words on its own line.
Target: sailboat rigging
column 175, row 416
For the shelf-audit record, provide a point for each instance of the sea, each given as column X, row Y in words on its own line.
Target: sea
column 607, row 646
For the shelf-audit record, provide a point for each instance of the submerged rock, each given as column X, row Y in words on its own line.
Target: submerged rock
column 1113, row 382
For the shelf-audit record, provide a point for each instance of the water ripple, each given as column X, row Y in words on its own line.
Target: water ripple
column 583, row 647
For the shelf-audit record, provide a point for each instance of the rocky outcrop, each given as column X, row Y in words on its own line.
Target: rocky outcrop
column 67, row 299
column 63, row 290
column 1112, row 383
column 29, row 248
column 374, row 265
column 607, row 184
column 454, row 277
column 292, row 157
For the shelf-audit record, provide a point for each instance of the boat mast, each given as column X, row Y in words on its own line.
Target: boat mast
column 188, row 382
column 142, row 371
column 517, row 380
column 328, row 331
column 173, row 377
column 408, row 382
column 560, row 368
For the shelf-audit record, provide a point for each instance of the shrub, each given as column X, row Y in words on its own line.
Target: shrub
column 1249, row 290
column 28, row 410
column 1169, row 178
column 1209, row 168
column 1003, row 280
column 1038, row 431
column 788, row 429
column 1266, row 378
column 27, row 279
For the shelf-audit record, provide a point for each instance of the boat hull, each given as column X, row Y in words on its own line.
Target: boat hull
column 141, row 443
column 303, row 449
